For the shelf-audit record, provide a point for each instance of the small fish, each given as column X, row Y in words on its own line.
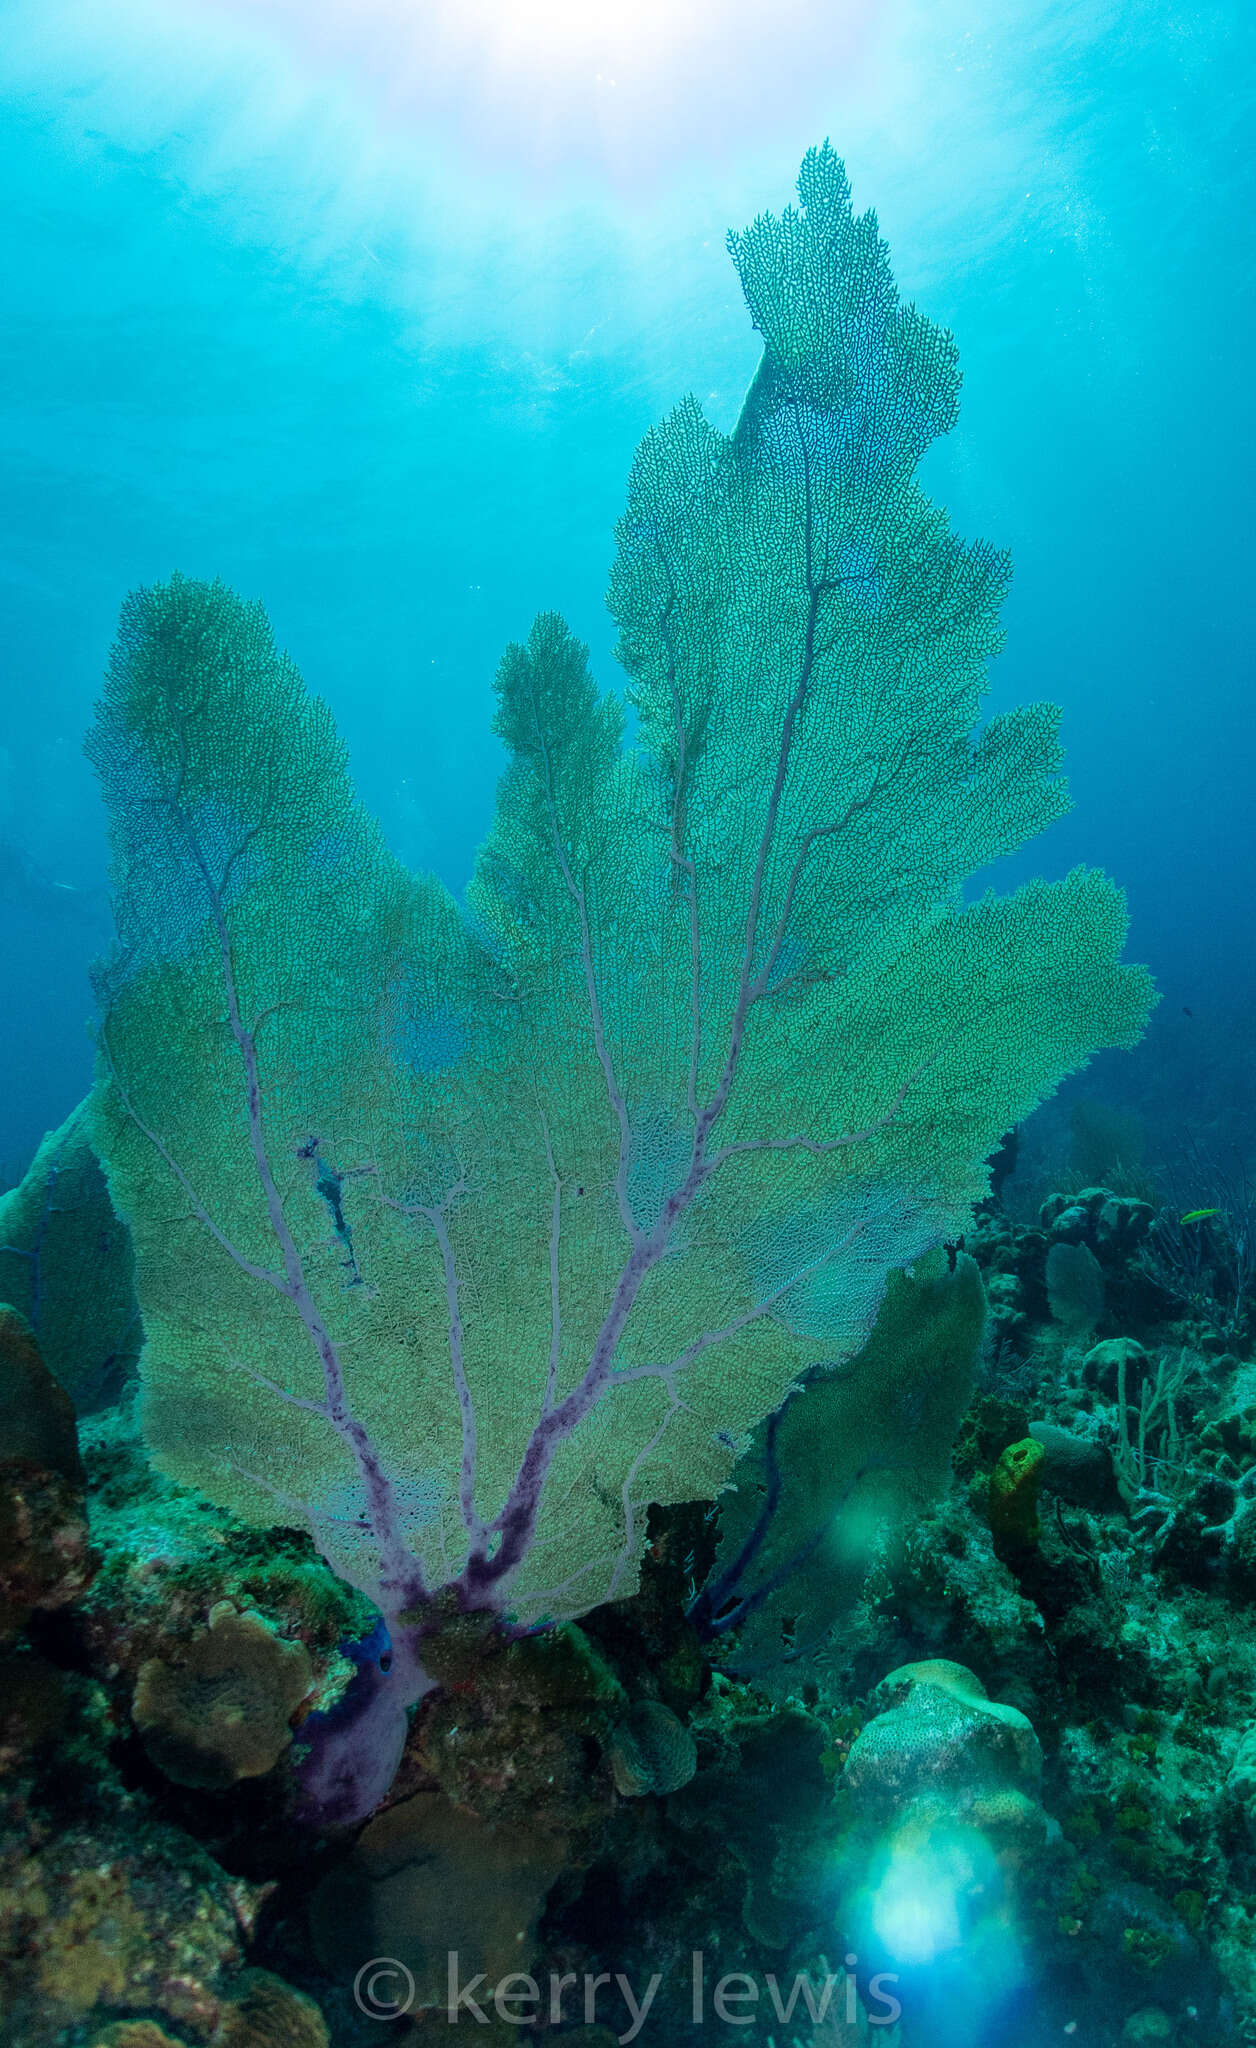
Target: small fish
column 1198, row 1215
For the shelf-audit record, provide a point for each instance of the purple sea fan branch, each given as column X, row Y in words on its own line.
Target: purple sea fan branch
column 709, row 1338
column 401, row 1576
column 614, row 1091
column 555, row 1241
column 684, row 862
column 628, row 1551
column 263, row 1380
column 350, row 1769
column 466, row 1407
column 399, row 1567
column 433, row 1214
column 512, row 1528
column 820, row 1148
column 248, row 1266
column 514, row 1525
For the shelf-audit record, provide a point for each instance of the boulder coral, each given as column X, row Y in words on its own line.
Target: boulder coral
column 428, row 1880
column 935, row 1734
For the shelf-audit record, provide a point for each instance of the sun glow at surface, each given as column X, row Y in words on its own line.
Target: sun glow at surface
column 573, row 32
column 632, row 86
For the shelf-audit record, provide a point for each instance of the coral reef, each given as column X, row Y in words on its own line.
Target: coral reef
column 118, row 1930
column 46, row 1558
column 760, row 1801
column 1055, row 1730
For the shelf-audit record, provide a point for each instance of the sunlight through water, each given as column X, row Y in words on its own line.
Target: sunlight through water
column 629, row 88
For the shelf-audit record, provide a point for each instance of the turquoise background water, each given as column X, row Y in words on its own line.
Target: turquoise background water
column 365, row 309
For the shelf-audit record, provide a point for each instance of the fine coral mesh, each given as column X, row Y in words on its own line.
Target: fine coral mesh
column 712, row 1047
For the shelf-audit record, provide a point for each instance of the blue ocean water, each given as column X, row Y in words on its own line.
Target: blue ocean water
column 365, row 309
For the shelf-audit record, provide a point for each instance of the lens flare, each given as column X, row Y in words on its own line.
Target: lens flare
column 937, row 1915
column 916, row 1906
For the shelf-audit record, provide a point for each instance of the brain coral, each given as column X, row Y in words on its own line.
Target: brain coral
column 651, row 1751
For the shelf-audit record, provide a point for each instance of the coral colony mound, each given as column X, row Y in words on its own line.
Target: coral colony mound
column 617, row 1530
